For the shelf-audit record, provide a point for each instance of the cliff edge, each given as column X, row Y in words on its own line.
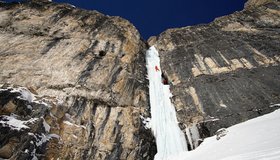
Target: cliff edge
column 85, row 74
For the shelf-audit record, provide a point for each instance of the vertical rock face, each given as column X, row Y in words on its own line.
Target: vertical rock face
column 224, row 72
column 256, row 3
column 85, row 86
column 73, row 85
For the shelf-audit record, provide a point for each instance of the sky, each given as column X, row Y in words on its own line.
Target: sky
column 151, row 17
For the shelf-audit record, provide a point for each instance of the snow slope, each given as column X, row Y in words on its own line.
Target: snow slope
column 170, row 139
column 256, row 139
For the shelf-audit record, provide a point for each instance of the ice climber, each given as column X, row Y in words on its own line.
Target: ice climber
column 156, row 67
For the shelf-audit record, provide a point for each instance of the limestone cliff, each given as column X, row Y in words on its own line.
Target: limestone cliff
column 86, row 74
column 256, row 3
column 73, row 82
column 225, row 72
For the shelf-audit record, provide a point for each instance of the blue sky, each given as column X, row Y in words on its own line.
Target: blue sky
column 151, row 17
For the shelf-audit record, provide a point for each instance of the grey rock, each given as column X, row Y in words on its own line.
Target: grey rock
column 221, row 133
column 82, row 76
column 89, row 66
column 227, row 71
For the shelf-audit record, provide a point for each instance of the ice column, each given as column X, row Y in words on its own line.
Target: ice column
column 170, row 140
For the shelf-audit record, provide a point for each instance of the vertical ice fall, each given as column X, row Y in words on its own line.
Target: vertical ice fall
column 170, row 139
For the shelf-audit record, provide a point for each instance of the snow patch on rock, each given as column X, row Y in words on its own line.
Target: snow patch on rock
column 46, row 126
column 15, row 124
column 25, row 94
column 275, row 105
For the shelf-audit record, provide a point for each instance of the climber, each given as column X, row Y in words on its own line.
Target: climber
column 156, row 67
column 164, row 79
column 165, row 82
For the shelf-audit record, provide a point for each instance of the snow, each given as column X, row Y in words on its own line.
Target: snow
column 13, row 123
column 193, row 136
column 32, row 120
column 170, row 139
column 72, row 6
column 41, row 102
column 25, row 94
column 29, row 107
column 188, row 134
column 146, row 122
column 275, row 105
column 33, row 154
column 46, row 126
column 223, row 105
column 42, row 138
column 72, row 124
column 256, row 139
column 54, row 136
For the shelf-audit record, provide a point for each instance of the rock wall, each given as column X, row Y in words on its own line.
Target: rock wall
column 256, row 3
column 88, row 71
column 225, row 72
column 73, row 82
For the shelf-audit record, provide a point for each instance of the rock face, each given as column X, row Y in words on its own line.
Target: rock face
column 86, row 73
column 256, row 3
column 225, row 72
column 73, row 82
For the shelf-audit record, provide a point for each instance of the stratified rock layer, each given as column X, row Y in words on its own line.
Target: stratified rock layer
column 224, row 72
column 88, row 67
column 73, row 85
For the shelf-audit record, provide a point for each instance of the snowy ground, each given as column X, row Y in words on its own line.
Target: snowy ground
column 256, row 139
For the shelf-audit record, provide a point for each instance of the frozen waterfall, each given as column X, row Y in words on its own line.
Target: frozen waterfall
column 170, row 140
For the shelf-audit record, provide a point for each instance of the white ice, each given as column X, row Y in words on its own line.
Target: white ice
column 170, row 140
